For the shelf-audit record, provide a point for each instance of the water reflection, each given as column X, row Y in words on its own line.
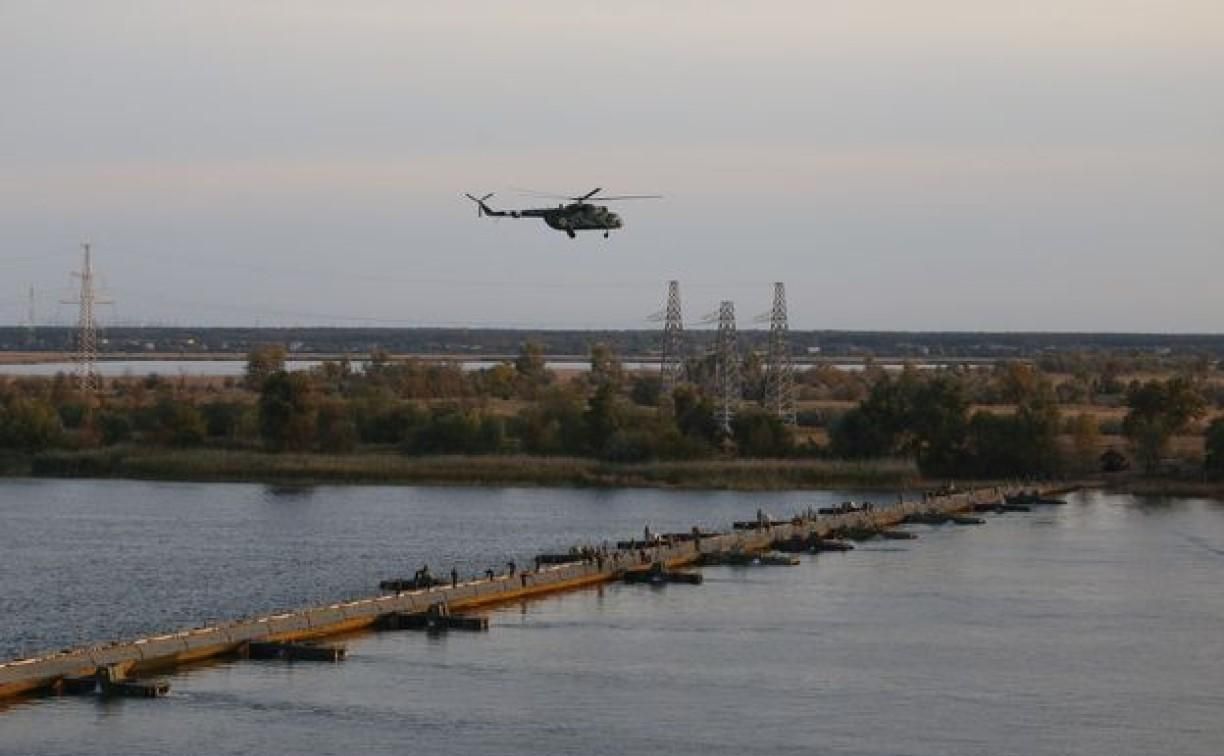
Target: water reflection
column 289, row 491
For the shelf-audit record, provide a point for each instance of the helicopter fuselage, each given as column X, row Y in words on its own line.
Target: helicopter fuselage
column 578, row 215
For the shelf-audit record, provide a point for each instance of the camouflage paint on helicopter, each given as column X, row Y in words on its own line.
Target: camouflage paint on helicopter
column 578, row 215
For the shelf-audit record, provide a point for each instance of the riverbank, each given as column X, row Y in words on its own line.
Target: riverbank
column 1173, row 487
column 385, row 467
column 218, row 465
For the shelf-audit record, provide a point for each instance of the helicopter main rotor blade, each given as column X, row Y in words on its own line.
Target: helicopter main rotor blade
column 535, row 193
column 630, row 197
column 586, row 196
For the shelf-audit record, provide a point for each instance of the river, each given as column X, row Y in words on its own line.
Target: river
column 1091, row 628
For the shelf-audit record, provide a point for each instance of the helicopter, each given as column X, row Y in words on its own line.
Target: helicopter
column 577, row 215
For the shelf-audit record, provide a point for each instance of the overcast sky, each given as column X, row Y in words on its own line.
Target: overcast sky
column 943, row 164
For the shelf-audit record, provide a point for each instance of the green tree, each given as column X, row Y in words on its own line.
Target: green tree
column 646, row 390
column 73, row 413
column 337, row 430
column 1017, row 381
column 29, row 424
column 262, row 362
column 114, row 427
column 877, row 426
column 222, row 419
column 386, row 420
column 605, row 415
column 1159, row 410
column 1038, row 422
column 924, row 417
column 752, row 376
column 761, row 434
column 606, row 369
column 695, row 417
column 938, row 424
column 454, row 430
column 288, row 411
column 1214, row 443
column 498, row 380
column 1085, row 438
column 992, row 444
column 1017, row 445
column 531, row 369
column 178, row 423
column 334, row 376
column 861, row 434
column 554, row 425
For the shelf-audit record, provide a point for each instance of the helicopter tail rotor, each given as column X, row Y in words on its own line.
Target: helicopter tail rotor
column 480, row 203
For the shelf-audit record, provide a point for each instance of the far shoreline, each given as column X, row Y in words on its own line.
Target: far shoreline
column 390, row 468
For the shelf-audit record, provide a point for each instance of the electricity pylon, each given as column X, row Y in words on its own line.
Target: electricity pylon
column 87, row 330
column 30, row 323
column 726, row 366
column 780, row 368
column 672, row 366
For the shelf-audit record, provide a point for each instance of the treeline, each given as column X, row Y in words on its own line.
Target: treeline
column 520, row 407
column 1075, row 378
column 928, row 417
column 416, row 407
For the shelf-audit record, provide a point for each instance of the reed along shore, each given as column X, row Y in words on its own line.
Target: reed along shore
column 217, row 465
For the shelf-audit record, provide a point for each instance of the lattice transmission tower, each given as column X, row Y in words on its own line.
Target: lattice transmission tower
column 780, row 367
column 31, row 327
column 727, row 366
column 87, row 329
column 672, row 367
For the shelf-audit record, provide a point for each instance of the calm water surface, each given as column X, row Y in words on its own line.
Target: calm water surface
column 1094, row 628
